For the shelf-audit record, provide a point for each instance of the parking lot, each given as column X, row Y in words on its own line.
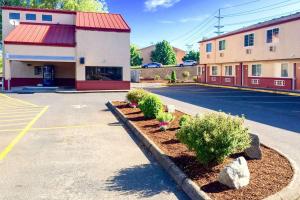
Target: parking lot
column 70, row 146
column 281, row 111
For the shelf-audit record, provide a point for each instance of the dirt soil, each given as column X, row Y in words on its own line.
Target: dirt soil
column 268, row 176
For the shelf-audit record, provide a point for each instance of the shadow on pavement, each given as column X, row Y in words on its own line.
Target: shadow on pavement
column 144, row 180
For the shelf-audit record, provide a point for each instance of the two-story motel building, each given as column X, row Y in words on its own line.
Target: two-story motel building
column 84, row 50
column 264, row 55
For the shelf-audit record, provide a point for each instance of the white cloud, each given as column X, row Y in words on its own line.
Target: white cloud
column 152, row 5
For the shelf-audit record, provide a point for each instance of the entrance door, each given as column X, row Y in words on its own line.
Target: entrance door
column 245, row 75
column 238, row 75
column 48, row 75
column 297, row 75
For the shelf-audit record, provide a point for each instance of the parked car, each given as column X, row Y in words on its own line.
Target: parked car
column 188, row 63
column 152, row 65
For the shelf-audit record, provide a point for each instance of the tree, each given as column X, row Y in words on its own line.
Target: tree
column 135, row 56
column 173, row 77
column 163, row 53
column 75, row 5
column 192, row 55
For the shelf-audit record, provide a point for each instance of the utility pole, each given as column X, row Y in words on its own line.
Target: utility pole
column 219, row 26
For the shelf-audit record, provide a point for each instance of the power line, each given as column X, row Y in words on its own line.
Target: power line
column 241, row 4
column 260, row 9
column 219, row 26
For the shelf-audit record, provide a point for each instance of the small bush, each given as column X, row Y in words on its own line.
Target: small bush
column 151, row 106
column 165, row 117
column 157, row 77
column 168, row 78
column 214, row 136
column 135, row 96
column 195, row 78
column 186, row 75
column 184, row 119
column 173, row 77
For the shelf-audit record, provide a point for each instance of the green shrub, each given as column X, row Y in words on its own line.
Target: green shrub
column 135, row 96
column 184, row 119
column 173, row 77
column 168, row 78
column 186, row 75
column 214, row 136
column 151, row 106
column 165, row 117
column 157, row 77
column 195, row 78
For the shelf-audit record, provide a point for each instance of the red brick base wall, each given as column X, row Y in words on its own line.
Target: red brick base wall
column 102, row 85
column 18, row 82
column 269, row 83
column 228, row 80
column 214, row 80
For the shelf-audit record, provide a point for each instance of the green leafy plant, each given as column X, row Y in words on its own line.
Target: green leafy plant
column 192, row 55
column 168, row 78
column 184, row 119
column 135, row 96
column 173, row 77
column 186, row 75
column 214, row 136
column 195, row 78
column 157, row 77
column 164, row 53
column 164, row 118
column 151, row 106
column 135, row 56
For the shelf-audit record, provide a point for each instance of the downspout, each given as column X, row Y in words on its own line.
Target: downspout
column 294, row 77
column 242, row 73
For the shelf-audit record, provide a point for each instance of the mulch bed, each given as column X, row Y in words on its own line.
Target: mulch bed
column 268, row 176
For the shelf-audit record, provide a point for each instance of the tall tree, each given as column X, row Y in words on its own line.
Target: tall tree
column 192, row 55
column 135, row 56
column 76, row 5
column 163, row 53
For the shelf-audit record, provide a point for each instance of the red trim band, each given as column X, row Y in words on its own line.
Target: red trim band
column 40, row 44
column 103, row 29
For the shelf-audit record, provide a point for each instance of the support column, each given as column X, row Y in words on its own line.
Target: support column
column 7, row 73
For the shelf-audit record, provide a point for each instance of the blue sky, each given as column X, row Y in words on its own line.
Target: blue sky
column 185, row 22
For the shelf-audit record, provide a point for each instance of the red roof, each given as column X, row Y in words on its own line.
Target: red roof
column 42, row 34
column 101, row 22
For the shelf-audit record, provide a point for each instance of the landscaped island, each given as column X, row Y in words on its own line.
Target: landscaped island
column 269, row 175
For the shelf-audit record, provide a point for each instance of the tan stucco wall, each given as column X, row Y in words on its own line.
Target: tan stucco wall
column 22, row 70
column 288, row 46
column 56, row 18
column 146, row 54
column 107, row 49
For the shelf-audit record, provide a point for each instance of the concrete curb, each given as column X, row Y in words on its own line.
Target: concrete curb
column 290, row 192
column 186, row 184
column 89, row 91
column 238, row 88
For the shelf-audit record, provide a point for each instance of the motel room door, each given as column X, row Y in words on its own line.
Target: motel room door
column 297, row 75
column 238, row 75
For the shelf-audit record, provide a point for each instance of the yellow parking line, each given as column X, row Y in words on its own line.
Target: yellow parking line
column 13, row 120
column 55, row 128
column 19, row 100
column 14, row 124
column 17, row 116
column 21, row 109
column 22, row 134
column 17, row 112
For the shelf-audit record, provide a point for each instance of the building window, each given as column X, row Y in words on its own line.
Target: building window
column 272, row 34
column 104, row 73
column 256, row 70
column 14, row 15
column 284, row 70
column 255, row 81
column 228, row 70
column 47, row 18
column 208, row 47
column 214, row 70
column 31, row 17
column 249, row 40
column 279, row 83
column 222, row 45
column 38, row 70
